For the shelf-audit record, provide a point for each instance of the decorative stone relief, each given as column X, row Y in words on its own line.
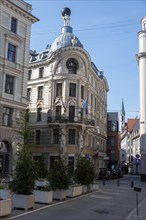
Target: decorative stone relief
column 81, row 138
column 62, row 137
column 51, row 67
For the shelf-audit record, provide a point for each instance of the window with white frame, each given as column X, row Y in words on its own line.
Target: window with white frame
column 9, row 84
column 72, row 90
column 58, row 112
column 29, row 74
column 39, row 114
column 55, row 136
column 41, row 72
column 14, row 25
column 37, row 136
column 7, row 116
column 40, row 92
column 71, row 113
column 82, row 92
column 11, row 55
column 59, row 89
column 71, row 136
column 28, row 94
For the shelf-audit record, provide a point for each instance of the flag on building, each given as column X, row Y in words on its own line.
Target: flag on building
column 85, row 105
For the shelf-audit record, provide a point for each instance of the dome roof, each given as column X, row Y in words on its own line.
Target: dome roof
column 66, row 38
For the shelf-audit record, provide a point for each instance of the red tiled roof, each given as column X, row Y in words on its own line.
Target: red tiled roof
column 130, row 123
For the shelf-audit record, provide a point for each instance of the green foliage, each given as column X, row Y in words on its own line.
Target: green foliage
column 2, row 187
column 23, row 129
column 24, row 176
column 40, row 168
column 58, row 175
column 84, row 172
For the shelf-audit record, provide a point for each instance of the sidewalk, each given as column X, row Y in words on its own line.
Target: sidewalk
column 127, row 182
column 139, row 212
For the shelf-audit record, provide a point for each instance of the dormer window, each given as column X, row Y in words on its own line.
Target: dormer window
column 72, row 65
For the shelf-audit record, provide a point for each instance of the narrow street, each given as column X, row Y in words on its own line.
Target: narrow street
column 114, row 201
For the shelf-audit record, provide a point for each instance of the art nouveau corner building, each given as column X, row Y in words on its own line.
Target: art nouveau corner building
column 67, row 98
column 15, row 28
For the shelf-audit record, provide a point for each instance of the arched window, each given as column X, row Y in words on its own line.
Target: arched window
column 72, row 65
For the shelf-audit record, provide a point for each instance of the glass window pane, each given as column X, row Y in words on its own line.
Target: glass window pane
column 14, row 25
column 11, row 53
column 9, row 84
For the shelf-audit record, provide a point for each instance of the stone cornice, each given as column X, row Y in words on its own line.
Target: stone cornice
column 20, row 11
column 57, row 54
column 12, row 103
column 13, row 37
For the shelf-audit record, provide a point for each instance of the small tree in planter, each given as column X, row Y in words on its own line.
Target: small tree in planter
column 84, row 172
column 5, row 192
column 75, row 189
column 59, row 179
column 5, row 200
column 41, row 171
column 42, row 192
column 24, row 177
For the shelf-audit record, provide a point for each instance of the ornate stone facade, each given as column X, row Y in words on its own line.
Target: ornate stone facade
column 15, row 27
column 74, row 96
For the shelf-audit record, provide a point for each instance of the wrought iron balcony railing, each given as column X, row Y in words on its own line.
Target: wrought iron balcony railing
column 60, row 119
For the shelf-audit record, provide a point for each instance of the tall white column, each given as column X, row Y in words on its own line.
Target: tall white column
column 142, row 84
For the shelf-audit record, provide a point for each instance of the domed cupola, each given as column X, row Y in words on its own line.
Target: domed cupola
column 67, row 38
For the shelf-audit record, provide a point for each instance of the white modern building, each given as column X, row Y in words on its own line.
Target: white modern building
column 15, row 29
column 67, row 98
column 141, row 58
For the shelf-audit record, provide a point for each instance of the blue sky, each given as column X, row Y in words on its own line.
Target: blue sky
column 108, row 31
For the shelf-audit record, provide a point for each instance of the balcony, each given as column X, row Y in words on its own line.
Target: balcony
column 77, row 120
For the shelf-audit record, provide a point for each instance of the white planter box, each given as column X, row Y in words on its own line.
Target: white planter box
column 74, row 191
column 59, row 194
column 84, row 191
column 89, row 188
column 5, row 207
column 41, row 183
column 21, row 201
column 5, row 193
column 44, row 197
column 95, row 186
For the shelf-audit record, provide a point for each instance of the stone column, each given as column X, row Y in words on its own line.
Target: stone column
column 62, row 139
